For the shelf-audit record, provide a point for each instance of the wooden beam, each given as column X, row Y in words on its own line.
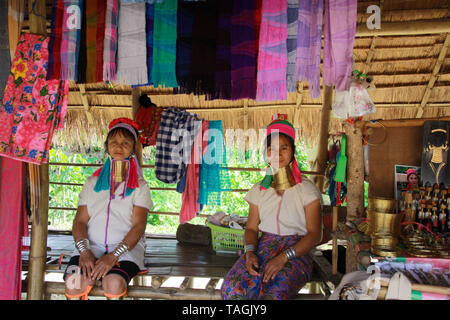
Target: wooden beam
column 403, row 122
column 434, row 76
column 39, row 230
column 298, row 104
column 405, row 28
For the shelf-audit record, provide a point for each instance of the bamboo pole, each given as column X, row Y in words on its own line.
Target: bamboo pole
column 39, row 230
column 135, row 94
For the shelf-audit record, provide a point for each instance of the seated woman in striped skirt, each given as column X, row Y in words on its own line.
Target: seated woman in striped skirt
column 286, row 209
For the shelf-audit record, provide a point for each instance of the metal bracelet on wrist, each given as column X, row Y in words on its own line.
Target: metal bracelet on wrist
column 120, row 250
column 249, row 247
column 291, row 253
column 82, row 245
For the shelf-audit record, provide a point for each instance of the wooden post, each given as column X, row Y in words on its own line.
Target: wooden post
column 135, row 94
column 39, row 230
column 334, row 258
column 355, row 172
column 322, row 153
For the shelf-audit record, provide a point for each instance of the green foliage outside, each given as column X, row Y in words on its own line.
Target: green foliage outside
column 164, row 201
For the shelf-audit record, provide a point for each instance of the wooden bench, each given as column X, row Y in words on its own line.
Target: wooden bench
column 166, row 258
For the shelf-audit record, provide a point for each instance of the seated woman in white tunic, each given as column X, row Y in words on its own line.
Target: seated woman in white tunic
column 286, row 208
column 110, row 223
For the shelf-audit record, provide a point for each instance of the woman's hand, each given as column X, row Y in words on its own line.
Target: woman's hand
column 274, row 266
column 87, row 263
column 251, row 263
column 103, row 265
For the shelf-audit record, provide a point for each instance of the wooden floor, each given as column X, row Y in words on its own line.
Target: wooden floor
column 163, row 256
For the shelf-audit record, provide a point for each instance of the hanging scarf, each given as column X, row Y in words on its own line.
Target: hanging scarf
column 222, row 75
column 243, row 50
column 291, row 45
column 281, row 126
column 214, row 175
column 54, row 67
column 339, row 38
column 272, row 55
column 70, row 40
column 110, row 43
column 149, row 22
column 309, row 44
column 185, row 24
column 82, row 54
column 32, row 107
column 95, row 33
column 203, row 48
column 165, row 44
column 132, row 52
column 106, row 181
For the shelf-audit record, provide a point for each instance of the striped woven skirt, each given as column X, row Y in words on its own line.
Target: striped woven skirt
column 238, row 284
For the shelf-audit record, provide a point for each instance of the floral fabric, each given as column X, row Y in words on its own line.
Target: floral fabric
column 32, row 107
column 238, row 284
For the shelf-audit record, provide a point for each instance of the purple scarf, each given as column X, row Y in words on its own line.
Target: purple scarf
column 243, row 50
column 222, row 76
column 110, row 44
column 272, row 56
column 309, row 44
column 339, row 38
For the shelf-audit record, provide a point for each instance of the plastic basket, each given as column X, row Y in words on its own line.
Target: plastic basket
column 226, row 240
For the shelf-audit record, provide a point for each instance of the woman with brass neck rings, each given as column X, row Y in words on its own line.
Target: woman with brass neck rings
column 285, row 209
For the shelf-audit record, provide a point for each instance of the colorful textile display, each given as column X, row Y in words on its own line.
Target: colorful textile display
column 149, row 22
column 32, row 107
column 110, row 42
column 82, row 54
column 165, row 44
column 132, row 51
column 222, row 75
column 13, row 226
column 309, row 44
column 176, row 134
column 214, row 175
column 95, row 33
column 54, row 60
column 185, row 24
column 339, row 38
column 203, row 55
column 295, row 274
column 5, row 58
column 243, row 50
column 190, row 206
column 272, row 55
column 291, row 45
column 70, row 43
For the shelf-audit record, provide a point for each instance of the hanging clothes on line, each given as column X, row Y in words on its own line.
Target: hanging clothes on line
column 54, row 60
column 309, row 44
column 243, row 50
column 176, row 134
column 272, row 55
column 149, row 119
column 110, row 42
column 70, row 43
column 32, row 107
column 214, row 175
column 165, row 44
column 339, row 38
column 132, row 46
column 190, row 206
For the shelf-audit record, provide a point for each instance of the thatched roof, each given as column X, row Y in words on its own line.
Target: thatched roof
column 410, row 69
